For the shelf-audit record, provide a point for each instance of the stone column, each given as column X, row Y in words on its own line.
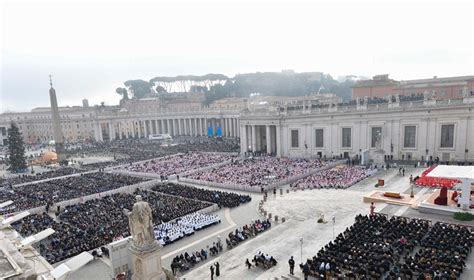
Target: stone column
column 169, row 129
column 195, row 127
column 139, row 129
column 203, row 127
column 120, row 130
column 185, row 127
column 97, row 131
column 162, row 122
column 278, row 141
column 226, row 127
column 269, row 143
column 237, row 124
column 196, row 123
column 232, row 127
column 145, row 129
column 243, row 140
column 254, row 139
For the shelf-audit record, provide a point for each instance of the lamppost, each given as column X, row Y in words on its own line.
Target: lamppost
column 301, row 247
column 333, row 223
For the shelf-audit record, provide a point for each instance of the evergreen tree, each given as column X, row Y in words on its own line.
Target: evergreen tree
column 16, row 149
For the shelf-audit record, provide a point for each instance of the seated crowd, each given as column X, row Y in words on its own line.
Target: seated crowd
column 338, row 177
column 442, row 255
column 97, row 222
column 376, row 247
column 131, row 149
column 187, row 260
column 178, row 163
column 223, row 199
column 169, row 232
column 263, row 260
column 246, row 232
column 258, row 171
column 24, row 178
column 50, row 192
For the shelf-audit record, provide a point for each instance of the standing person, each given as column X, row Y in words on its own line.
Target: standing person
column 291, row 262
column 411, row 178
column 212, row 272
column 372, row 209
column 218, row 272
column 403, row 171
column 306, row 271
column 248, row 264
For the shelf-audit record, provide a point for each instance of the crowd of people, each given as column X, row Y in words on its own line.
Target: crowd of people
column 50, row 192
column 246, row 232
column 132, row 150
column 377, row 246
column 222, row 199
column 263, row 260
column 258, row 171
column 184, row 262
column 95, row 223
column 338, row 177
column 442, row 255
column 179, row 163
column 25, row 178
column 169, row 232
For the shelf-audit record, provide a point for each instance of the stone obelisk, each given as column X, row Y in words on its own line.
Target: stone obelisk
column 57, row 132
column 145, row 249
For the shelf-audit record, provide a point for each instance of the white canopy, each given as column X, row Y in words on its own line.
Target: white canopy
column 464, row 173
column 453, row 172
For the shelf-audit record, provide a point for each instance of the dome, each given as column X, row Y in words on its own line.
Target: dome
column 49, row 156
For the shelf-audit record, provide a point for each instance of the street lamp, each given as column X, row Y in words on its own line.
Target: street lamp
column 333, row 223
column 301, row 247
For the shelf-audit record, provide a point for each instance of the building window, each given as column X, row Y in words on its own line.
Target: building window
column 319, row 136
column 346, row 137
column 294, row 138
column 447, row 136
column 376, row 136
column 409, row 139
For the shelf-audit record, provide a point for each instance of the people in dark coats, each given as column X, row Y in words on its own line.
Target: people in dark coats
column 218, row 272
column 291, row 262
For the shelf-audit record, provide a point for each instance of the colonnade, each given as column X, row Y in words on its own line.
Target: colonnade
column 260, row 138
column 108, row 130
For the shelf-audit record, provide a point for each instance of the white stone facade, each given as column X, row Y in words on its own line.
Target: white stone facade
column 427, row 124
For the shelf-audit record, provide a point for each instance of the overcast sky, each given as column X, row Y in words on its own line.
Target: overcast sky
column 90, row 49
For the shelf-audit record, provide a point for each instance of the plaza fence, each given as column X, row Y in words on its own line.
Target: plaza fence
column 171, row 177
column 125, row 189
column 257, row 189
column 54, row 178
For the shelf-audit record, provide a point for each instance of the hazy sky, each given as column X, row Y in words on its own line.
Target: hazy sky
column 90, row 48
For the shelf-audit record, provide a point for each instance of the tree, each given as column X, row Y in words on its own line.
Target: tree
column 123, row 92
column 16, row 149
column 139, row 88
column 160, row 89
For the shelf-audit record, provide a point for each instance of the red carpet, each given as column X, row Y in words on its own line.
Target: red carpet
column 435, row 182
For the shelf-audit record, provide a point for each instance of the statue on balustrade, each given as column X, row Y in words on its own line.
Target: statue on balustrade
column 141, row 224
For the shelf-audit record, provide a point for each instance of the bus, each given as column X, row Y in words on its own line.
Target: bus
column 163, row 137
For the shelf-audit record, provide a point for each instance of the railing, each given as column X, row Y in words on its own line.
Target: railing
column 257, row 189
column 125, row 189
column 355, row 108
